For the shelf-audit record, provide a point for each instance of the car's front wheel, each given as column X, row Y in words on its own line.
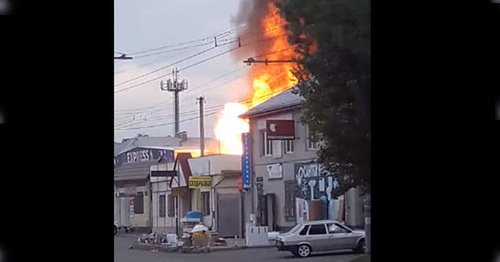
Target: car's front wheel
column 303, row 250
column 361, row 246
column 116, row 230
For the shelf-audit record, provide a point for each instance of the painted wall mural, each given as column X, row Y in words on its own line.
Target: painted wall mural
column 314, row 198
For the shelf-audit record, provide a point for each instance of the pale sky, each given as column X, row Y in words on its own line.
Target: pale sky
column 145, row 25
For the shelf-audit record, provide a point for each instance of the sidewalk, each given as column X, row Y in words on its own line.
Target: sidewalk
column 232, row 244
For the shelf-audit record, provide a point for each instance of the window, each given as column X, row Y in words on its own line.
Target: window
column 139, row 203
column 311, row 144
column 304, row 230
column 162, row 205
column 205, row 203
column 317, row 229
column 288, row 145
column 266, row 145
column 336, row 229
column 171, row 206
column 290, row 189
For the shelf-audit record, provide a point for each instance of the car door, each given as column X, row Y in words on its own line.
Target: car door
column 318, row 237
column 339, row 237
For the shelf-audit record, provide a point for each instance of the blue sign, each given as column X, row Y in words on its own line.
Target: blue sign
column 246, row 167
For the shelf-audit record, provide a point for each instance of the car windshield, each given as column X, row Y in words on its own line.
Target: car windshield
column 295, row 228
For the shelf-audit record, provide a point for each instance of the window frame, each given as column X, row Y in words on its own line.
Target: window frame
column 162, row 205
column 324, row 227
column 310, row 145
column 205, row 203
column 288, row 146
column 306, row 228
column 266, row 144
column 171, row 205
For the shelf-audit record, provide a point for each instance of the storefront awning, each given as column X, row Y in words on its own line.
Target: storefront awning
column 134, row 170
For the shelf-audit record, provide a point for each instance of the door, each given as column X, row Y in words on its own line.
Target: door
column 124, row 211
column 318, row 237
column 228, row 215
column 340, row 237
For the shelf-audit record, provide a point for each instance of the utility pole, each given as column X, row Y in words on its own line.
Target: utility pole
column 201, row 100
column 174, row 86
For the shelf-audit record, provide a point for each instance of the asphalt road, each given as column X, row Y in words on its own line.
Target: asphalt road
column 123, row 254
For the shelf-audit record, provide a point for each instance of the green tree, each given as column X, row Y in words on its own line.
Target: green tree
column 332, row 39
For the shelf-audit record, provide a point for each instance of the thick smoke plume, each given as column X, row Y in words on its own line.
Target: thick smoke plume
column 250, row 28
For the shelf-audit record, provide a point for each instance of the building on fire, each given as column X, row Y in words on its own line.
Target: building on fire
column 285, row 183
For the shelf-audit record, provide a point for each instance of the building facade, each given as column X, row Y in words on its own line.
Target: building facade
column 171, row 197
column 222, row 202
column 133, row 196
column 288, row 186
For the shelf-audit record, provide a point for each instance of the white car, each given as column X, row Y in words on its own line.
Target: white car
column 321, row 235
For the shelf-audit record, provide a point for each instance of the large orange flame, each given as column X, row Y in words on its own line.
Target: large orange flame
column 268, row 81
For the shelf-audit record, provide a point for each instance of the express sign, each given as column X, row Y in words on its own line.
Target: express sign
column 280, row 129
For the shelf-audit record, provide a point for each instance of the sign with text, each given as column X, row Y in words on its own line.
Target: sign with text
column 144, row 154
column 246, row 167
column 280, row 129
column 275, row 171
column 200, row 182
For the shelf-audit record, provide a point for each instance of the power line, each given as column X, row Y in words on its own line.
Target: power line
column 164, row 67
column 173, row 50
column 132, row 111
column 164, row 124
column 138, row 110
column 168, row 115
column 195, row 64
column 135, row 123
column 247, row 101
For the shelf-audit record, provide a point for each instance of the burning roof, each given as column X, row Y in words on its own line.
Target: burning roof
column 285, row 100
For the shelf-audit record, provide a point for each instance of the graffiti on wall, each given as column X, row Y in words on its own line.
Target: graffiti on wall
column 315, row 184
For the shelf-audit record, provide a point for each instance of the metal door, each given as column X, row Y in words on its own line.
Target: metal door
column 228, row 215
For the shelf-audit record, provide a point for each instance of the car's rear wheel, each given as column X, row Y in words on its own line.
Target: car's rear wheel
column 116, row 230
column 361, row 246
column 303, row 250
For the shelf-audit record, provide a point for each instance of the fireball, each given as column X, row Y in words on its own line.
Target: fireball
column 229, row 128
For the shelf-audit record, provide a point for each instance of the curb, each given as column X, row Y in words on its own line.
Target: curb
column 171, row 249
column 147, row 247
column 219, row 249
